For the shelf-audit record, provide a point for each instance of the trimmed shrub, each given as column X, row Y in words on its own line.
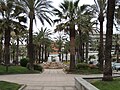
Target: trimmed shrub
column 82, row 66
column 23, row 62
column 38, row 67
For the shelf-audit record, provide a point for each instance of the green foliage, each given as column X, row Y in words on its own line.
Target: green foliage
column 23, row 62
column 82, row 66
column 107, row 85
column 15, row 70
column 38, row 67
column 78, row 61
column 9, row 86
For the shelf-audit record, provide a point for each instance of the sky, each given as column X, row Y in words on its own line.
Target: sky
column 56, row 4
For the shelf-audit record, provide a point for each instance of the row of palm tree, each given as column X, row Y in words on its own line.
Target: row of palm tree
column 68, row 19
column 13, row 12
column 70, row 15
column 42, row 42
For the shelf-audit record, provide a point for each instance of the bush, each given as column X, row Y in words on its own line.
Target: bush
column 23, row 62
column 38, row 67
column 82, row 66
column 78, row 61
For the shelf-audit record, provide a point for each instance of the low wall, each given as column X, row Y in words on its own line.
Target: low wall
column 82, row 84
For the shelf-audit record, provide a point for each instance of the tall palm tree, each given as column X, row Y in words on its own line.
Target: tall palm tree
column 59, row 43
column 35, row 9
column 8, row 12
column 100, row 10
column 107, row 74
column 42, row 40
column 66, row 49
column 68, row 13
column 85, row 26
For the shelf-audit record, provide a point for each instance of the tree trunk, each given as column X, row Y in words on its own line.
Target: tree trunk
column 39, row 53
column 66, row 56
column 30, row 45
column 46, row 58
column 83, row 45
column 1, row 52
column 101, row 47
column 42, row 53
column 80, row 47
column 72, row 48
column 87, row 45
column 17, row 51
column 7, row 48
column 107, row 73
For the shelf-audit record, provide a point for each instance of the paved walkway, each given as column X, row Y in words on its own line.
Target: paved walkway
column 50, row 79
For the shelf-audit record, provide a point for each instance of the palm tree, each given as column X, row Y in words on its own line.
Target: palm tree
column 39, row 9
column 100, row 9
column 68, row 13
column 85, row 26
column 59, row 43
column 43, row 41
column 66, row 49
column 107, row 73
column 8, row 11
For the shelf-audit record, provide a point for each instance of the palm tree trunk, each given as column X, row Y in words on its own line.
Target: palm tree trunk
column 7, row 48
column 39, row 53
column 83, row 45
column 1, row 52
column 72, row 48
column 30, row 45
column 46, row 58
column 87, row 45
column 101, row 47
column 42, row 53
column 80, row 46
column 107, row 73
column 17, row 51
column 66, row 56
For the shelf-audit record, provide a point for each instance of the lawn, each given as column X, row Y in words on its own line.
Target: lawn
column 83, row 68
column 108, row 85
column 15, row 70
column 9, row 86
column 88, row 71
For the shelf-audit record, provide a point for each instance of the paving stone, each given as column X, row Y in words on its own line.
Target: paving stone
column 53, row 88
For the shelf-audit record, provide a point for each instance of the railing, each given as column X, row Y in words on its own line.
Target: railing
column 82, row 84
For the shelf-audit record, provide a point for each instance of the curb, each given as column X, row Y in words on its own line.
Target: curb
column 22, row 87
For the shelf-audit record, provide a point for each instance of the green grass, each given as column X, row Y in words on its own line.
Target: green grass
column 88, row 71
column 15, row 70
column 108, row 85
column 9, row 86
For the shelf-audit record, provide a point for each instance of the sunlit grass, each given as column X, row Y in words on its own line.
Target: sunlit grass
column 108, row 85
column 15, row 70
column 8, row 86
